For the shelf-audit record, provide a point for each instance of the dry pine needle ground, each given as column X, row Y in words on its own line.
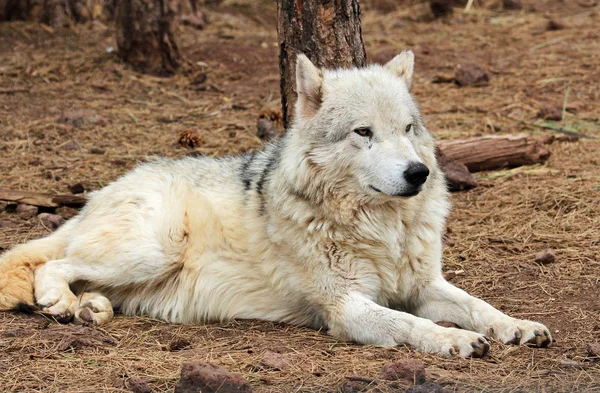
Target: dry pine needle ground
column 494, row 231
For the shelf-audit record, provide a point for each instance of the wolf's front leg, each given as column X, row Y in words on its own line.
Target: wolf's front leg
column 359, row 319
column 442, row 301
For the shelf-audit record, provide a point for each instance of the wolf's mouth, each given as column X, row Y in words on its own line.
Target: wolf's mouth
column 408, row 194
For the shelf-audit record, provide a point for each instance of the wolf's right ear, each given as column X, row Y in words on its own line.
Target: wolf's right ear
column 402, row 65
column 309, row 80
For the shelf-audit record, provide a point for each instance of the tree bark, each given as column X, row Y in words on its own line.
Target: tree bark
column 56, row 13
column 145, row 37
column 328, row 32
column 494, row 152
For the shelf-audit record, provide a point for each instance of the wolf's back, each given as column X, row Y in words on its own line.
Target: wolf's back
column 18, row 264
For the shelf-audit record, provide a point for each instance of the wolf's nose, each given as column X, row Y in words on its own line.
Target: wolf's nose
column 416, row 174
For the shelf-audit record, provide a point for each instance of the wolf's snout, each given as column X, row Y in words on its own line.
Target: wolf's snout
column 416, row 174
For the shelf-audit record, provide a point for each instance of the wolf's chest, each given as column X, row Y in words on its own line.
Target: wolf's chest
column 399, row 255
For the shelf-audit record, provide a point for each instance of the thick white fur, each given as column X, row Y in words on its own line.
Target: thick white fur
column 295, row 233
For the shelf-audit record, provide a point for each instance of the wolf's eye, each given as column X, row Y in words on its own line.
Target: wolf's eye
column 408, row 128
column 364, row 131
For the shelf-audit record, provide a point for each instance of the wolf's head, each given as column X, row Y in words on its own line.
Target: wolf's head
column 362, row 128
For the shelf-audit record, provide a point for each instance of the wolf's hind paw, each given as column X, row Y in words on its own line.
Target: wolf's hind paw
column 94, row 310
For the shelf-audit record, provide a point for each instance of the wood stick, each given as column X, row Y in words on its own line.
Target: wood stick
column 494, row 152
column 41, row 199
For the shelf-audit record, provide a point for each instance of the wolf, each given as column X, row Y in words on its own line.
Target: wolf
column 337, row 226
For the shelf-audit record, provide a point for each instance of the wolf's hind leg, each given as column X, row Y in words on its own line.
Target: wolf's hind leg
column 94, row 309
column 52, row 290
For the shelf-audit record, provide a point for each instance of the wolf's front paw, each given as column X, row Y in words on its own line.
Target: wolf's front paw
column 450, row 341
column 520, row 331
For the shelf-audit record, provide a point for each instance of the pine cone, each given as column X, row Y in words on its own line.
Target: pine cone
column 190, row 139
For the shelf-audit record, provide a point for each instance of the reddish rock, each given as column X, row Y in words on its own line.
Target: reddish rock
column 545, row 257
column 410, row 370
column 51, row 221
column 80, row 117
column 458, row 177
column 554, row 24
column 355, row 387
column 199, row 377
column 275, row 361
column 471, row 74
column 593, row 349
column 512, row 4
column 26, row 211
column 179, row 345
column 67, row 212
column 137, row 385
column 550, row 112
column 71, row 146
column 97, row 150
column 441, row 8
column 77, row 189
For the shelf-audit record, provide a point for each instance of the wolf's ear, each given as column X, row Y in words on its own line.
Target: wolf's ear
column 403, row 65
column 308, row 86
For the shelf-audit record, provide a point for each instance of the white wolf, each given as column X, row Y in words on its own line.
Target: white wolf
column 337, row 225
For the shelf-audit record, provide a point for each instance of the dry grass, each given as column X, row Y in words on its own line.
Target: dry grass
column 494, row 230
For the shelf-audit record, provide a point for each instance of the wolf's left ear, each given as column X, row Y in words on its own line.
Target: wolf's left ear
column 403, row 65
column 308, row 86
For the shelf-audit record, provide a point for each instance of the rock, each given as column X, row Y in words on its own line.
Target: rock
column 26, row 211
column 458, row 177
column 71, row 146
column 199, row 377
column 550, row 112
column 66, row 212
column 80, row 117
column 545, row 257
column 200, row 78
column 77, row 189
column 275, row 361
column 427, row 387
column 512, row 4
column 190, row 139
column 179, row 345
column 137, row 385
column 51, row 221
column 355, row 387
column 441, row 8
column 97, row 150
column 593, row 349
column 471, row 74
column 554, row 25
column 410, row 370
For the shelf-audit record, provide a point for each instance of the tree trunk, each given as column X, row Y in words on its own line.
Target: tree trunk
column 145, row 36
column 56, row 13
column 328, row 32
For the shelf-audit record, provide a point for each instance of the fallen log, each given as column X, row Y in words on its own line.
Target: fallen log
column 41, row 199
column 494, row 152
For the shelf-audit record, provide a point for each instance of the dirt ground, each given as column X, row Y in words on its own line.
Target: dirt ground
column 493, row 233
